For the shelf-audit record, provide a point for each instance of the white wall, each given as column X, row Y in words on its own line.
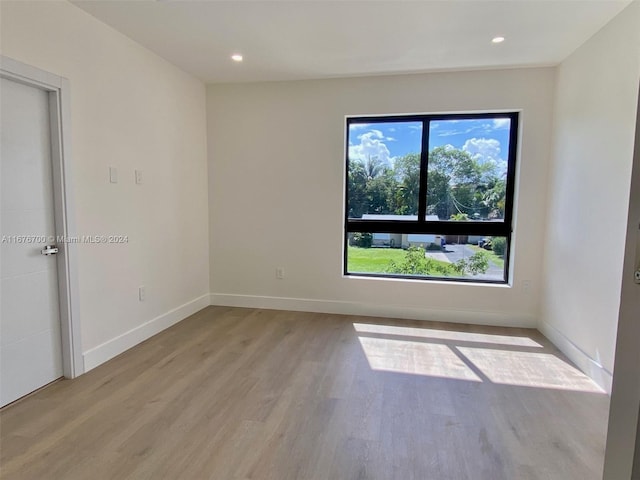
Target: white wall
column 276, row 168
column 132, row 110
column 597, row 88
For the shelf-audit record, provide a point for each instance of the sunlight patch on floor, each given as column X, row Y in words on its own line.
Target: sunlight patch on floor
column 518, row 341
column 448, row 355
column 529, row 369
column 415, row 358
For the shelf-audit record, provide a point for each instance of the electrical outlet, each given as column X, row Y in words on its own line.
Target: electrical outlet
column 139, row 177
column 526, row 286
column 279, row 273
column 142, row 293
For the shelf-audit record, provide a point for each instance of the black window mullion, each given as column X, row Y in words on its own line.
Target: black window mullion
column 498, row 229
column 424, row 161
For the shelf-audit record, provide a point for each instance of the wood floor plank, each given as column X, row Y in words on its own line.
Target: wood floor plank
column 240, row 394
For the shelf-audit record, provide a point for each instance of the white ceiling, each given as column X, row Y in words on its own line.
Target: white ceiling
column 287, row 40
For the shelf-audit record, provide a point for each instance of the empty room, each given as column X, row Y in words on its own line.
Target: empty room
column 314, row 239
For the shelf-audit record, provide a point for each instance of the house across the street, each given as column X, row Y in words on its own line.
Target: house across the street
column 404, row 240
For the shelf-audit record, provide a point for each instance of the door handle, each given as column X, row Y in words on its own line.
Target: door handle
column 49, row 250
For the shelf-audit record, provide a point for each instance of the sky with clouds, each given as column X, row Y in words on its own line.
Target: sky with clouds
column 486, row 139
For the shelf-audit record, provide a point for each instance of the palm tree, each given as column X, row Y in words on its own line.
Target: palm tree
column 373, row 167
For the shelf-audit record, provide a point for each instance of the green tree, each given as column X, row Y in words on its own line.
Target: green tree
column 407, row 173
column 438, row 194
column 494, row 196
column 499, row 246
column 373, row 167
column 415, row 262
column 459, row 217
column 362, row 239
column 357, row 199
column 459, row 182
column 380, row 194
column 475, row 264
column 372, row 188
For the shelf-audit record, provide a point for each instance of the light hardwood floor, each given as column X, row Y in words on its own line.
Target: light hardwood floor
column 255, row 394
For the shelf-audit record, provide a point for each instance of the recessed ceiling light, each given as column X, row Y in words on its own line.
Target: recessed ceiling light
column 236, row 57
column 497, row 40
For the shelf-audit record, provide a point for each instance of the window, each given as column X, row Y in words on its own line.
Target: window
column 430, row 196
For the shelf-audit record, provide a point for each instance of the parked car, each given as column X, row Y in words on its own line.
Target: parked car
column 485, row 243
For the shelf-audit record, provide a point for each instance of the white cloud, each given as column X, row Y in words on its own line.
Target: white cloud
column 501, row 123
column 359, row 126
column 483, row 128
column 371, row 146
column 450, row 133
column 371, row 134
column 477, row 129
column 482, row 147
column 486, row 150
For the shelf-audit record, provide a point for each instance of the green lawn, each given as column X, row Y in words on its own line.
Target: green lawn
column 374, row 260
column 497, row 260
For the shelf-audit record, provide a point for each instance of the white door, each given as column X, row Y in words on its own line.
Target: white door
column 30, row 342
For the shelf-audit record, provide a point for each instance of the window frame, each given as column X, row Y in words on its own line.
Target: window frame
column 443, row 227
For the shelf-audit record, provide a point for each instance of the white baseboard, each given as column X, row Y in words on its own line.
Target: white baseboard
column 410, row 312
column 583, row 361
column 121, row 343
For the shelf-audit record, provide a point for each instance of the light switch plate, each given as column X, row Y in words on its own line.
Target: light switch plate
column 113, row 175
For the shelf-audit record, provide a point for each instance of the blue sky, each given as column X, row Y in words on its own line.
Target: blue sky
column 486, row 139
